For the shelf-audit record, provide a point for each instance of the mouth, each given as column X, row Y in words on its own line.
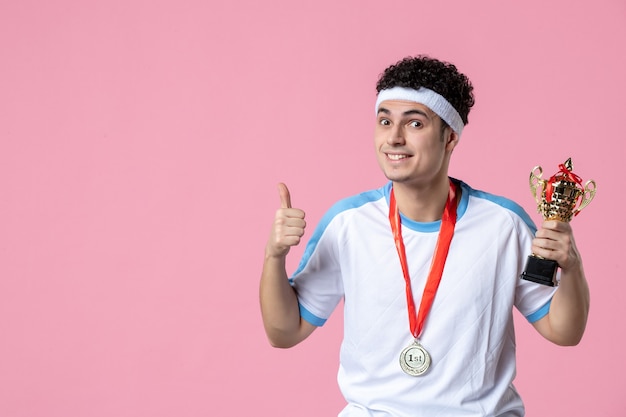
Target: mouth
column 397, row 157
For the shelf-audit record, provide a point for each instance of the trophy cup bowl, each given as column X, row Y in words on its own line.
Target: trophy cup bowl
column 561, row 197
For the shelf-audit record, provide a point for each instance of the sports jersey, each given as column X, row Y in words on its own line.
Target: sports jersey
column 469, row 332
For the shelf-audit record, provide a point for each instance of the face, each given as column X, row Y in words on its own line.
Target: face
column 410, row 145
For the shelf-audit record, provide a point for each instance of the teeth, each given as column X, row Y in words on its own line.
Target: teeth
column 396, row 157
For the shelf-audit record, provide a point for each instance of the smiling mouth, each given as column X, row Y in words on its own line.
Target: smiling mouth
column 395, row 157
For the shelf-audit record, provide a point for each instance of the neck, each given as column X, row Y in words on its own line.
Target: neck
column 422, row 204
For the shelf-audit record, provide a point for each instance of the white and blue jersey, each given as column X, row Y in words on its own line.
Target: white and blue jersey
column 469, row 333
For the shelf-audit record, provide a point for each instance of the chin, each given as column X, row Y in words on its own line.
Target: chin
column 397, row 178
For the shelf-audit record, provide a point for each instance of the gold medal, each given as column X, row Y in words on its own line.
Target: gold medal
column 414, row 359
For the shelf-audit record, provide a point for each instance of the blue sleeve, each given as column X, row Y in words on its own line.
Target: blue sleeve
column 539, row 314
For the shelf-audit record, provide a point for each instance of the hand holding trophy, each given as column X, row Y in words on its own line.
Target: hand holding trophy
column 561, row 197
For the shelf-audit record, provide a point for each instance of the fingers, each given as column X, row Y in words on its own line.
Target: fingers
column 288, row 227
column 285, row 197
column 555, row 241
column 554, row 230
column 557, row 226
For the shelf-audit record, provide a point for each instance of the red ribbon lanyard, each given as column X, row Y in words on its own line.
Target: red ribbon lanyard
column 439, row 259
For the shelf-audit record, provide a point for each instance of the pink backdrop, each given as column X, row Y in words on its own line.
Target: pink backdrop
column 140, row 147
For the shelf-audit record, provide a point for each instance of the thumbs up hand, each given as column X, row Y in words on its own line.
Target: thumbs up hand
column 288, row 227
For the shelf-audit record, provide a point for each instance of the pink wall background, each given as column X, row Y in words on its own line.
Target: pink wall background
column 140, row 147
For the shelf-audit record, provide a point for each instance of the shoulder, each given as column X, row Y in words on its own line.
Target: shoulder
column 340, row 221
column 474, row 199
column 343, row 212
column 361, row 201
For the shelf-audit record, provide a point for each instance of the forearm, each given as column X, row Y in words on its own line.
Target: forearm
column 279, row 304
column 569, row 308
column 567, row 318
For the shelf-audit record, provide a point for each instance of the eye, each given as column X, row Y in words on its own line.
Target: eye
column 384, row 122
column 415, row 123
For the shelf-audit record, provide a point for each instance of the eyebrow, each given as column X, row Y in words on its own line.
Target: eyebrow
column 406, row 113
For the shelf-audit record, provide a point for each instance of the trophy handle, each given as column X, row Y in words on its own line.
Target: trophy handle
column 535, row 181
column 588, row 193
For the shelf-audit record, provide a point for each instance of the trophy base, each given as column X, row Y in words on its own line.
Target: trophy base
column 540, row 270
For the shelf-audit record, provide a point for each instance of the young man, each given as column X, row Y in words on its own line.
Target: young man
column 428, row 268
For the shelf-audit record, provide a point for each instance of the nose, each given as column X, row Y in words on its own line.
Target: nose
column 396, row 136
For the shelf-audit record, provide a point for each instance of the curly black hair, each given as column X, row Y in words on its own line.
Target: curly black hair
column 439, row 76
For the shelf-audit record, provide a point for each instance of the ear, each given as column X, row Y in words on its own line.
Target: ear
column 451, row 138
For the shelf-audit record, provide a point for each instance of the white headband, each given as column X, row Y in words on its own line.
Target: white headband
column 434, row 101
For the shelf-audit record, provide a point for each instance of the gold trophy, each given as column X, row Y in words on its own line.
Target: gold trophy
column 561, row 197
